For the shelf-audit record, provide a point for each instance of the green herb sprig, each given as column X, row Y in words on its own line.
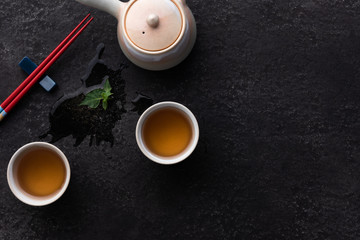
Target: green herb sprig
column 93, row 98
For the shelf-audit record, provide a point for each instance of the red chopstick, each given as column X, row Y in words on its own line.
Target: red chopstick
column 52, row 54
column 26, row 85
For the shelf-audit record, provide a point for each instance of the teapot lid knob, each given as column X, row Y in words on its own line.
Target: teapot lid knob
column 153, row 20
column 153, row 25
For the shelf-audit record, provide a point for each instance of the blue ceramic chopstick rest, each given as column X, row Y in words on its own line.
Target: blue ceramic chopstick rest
column 29, row 66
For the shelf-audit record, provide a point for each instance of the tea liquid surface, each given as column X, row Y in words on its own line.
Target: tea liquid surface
column 41, row 172
column 167, row 132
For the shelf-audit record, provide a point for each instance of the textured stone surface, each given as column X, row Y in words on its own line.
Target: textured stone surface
column 275, row 87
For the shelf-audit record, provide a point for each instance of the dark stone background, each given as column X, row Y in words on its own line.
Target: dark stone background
column 275, row 87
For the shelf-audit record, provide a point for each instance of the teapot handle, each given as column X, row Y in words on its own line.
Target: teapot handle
column 112, row 7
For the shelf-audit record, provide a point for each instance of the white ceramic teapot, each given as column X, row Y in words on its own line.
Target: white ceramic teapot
column 153, row 34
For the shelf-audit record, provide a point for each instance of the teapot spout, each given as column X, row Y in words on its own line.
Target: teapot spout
column 110, row 6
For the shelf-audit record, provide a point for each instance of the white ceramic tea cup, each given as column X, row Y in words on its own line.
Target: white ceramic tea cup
column 12, row 175
column 168, row 159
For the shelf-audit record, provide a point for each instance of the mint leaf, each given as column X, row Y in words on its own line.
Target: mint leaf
column 93, row 98
column 107, row 87
column 106, row 94
column 104, row 104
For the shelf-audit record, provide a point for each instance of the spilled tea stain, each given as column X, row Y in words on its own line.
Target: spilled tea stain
column 67, row 117
column 141, row 102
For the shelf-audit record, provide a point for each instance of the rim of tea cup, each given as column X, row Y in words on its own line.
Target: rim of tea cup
column 171, row 159
column 21, row 194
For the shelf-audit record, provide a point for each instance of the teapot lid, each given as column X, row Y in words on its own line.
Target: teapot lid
column 153, row 25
